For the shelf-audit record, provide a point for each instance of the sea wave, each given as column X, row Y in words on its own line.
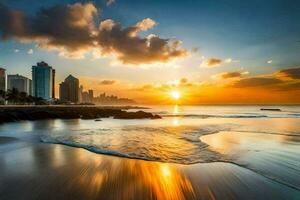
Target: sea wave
column 216, row 116
column 231, row 116
column 120, row 154
column 183, row 145
column 87, row 147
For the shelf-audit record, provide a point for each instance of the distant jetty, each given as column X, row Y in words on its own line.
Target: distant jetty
column 18, row 113
column 271, row 109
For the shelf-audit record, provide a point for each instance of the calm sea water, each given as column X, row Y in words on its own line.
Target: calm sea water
column 266, row 142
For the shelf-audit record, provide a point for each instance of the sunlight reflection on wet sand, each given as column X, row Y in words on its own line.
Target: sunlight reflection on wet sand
column 159, row 180
column 273, row 155
column 60, row 172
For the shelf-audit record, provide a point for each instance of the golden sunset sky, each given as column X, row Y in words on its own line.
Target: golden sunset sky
column 208, row 53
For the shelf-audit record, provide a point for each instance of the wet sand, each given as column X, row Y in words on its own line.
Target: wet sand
column 49, row 171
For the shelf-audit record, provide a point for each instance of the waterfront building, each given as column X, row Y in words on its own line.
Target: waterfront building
column 91, row 95
column 21, row 83
column 43, row 81
column 2, row 79
column 80, row 94
column 69, row 90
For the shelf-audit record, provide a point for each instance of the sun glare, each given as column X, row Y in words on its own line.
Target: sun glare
column 175, row 95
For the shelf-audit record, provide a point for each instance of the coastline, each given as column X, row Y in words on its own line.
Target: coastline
column 18, row 113
column 51, row 171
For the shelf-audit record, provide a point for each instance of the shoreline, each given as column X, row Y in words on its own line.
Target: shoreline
column 18, row 113
column 122, row 107
column 72, row 173
column 125, row 156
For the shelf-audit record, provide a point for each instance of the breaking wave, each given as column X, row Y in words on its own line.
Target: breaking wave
column 166, row 144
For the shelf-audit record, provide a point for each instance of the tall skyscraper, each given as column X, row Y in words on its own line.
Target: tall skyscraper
column 80, row 94
column 91, row 95
column 53, row 83
column 43, row 81
column 69, row 89
column 85, row 97
column 21, row 83
column 2, row 79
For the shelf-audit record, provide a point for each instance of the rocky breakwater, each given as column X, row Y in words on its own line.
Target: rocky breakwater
column 15, row 113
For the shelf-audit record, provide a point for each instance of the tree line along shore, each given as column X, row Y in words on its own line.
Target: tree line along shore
column 18, row 113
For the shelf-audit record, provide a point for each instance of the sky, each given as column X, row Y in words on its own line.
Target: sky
column 208, row 51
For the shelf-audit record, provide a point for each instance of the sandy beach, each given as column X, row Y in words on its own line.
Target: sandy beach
column 149, row 100
column 50, row 171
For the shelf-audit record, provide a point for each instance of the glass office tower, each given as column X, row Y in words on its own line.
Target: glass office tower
column 43, row 79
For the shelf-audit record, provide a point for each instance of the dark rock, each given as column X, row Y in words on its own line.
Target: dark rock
column 270, row 109
column 136, row 115
column 15, row 113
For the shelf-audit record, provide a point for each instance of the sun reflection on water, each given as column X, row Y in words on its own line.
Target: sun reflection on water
column 175, row 121
column 158, row 180
column 175, row 110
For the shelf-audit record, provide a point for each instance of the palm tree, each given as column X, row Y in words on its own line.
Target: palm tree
column 23, row 97
column 12, row 96
column 2, row 96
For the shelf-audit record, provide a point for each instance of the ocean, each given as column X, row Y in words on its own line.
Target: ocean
column 263, row 141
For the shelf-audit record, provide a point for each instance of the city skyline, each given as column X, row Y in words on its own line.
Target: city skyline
column 70, row 90
column 208, row 54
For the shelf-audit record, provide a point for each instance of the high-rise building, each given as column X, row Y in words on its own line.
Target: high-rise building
column 69, row 90
column 85, row 97
column 80, row 94
column 21, row 83
column 2, row 79
column 43, row 81
column 91, row 96
column 53, row 83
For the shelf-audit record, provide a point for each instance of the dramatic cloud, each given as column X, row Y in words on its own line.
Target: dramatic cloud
column 107, row 82
column 66, row 28
column 293, row 73
column 256, row 82
column 71, row 30
column 11, row 23
column 133, row 49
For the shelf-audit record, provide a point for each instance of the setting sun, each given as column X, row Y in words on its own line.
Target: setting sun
column 175, row 95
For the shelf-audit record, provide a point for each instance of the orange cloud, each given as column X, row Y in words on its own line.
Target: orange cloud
column 257, row 89
column 227, row 75
column 256, row 82
column 293, row 73
column 107, row 82
column 211, row 62
column 230, row 75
